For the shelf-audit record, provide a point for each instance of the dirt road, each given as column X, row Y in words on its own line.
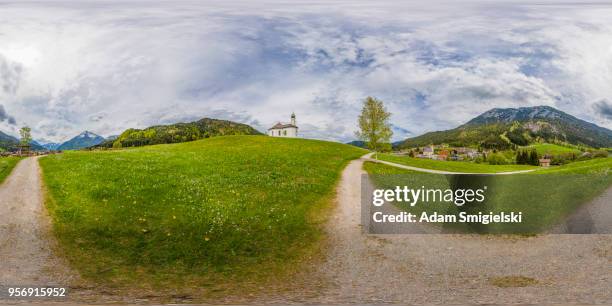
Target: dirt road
column 358, row 268
column 368, row 158
column 457, row 269
column 26, row 244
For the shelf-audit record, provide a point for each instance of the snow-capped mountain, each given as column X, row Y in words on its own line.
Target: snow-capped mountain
column 81, row 141
column 52, row 146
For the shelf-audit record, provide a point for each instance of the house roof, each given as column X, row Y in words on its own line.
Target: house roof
column 282, row 126
column 428, row 149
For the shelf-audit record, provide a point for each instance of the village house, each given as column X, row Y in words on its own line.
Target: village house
column 428, row 152
column 284, row 129
column 544, row 162
column 443, row 155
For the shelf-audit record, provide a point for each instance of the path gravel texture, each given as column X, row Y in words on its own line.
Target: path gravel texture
column 369, row 158
column 457, row 269
column 358, row 267
column 26, row 244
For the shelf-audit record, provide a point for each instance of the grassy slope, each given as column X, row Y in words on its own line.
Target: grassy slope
column 553, row 149
column 221, row 206
column 596, row 165
column 543, row 196
column 453, row 166
column 6, row 166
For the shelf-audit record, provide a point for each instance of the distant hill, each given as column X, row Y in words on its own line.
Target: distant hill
column 357, row 143
column 503, row 128
column 84, row 140
column 179, row 132
column 9, row 143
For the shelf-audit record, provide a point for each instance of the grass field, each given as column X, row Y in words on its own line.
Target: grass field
column 544, row 197
column 591, row 166
column 452, row 166
column 6, row 166
column 222, row 208
column 552, row 149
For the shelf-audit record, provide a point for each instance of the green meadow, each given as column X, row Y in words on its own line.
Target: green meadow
column 591, row 166
column 6, row 166
column 545, row 197
column 552, row 149
column 231, row 207
column 452, row 166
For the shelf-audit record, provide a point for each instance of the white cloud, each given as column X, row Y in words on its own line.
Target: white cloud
column 104, row 67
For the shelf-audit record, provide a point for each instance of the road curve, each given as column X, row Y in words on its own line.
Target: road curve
column 453, row 268
column 368, row 157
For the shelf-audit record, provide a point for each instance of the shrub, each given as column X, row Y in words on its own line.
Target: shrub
column 497, row 159
column 600, row 153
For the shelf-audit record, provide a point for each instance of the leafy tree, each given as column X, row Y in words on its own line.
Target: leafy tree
column 26, row 136
column 374, row 125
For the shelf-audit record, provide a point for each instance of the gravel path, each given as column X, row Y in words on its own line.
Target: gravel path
column 26, row 244
column 456, row 269
column 359, row 268
column 368, row 158
column 592, row 218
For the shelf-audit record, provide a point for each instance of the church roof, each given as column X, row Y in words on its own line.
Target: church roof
column 282, row 126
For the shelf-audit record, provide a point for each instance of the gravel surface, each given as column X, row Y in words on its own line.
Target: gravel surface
column 358, row 268
column 457, row 269
column 26, row 243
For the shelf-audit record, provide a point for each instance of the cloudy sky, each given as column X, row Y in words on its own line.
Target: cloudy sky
column 104, row 66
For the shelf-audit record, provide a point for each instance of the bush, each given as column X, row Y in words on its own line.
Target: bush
column 600, row 153
column 497, row 159
column 562, row 159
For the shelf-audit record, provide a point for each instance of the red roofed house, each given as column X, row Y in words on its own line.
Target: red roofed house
column 544, row 162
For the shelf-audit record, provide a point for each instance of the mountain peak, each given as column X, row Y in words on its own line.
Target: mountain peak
column 503, row 128
column 84, row 140
column 88, row 134
column 507, row 115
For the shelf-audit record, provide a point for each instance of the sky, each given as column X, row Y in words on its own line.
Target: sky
column 101, row 66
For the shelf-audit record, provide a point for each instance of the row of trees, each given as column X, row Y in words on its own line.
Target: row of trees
column 524, row 157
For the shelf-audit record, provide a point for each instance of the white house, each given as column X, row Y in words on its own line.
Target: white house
column 284, row 129
column 428, row 152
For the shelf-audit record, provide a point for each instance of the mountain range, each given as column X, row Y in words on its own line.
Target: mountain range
column 503, row 128
column 179, row 132
column 81, row 141
column 10, row 143
column 498, row 128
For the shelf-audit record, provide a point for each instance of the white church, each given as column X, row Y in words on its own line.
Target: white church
column 284, row 129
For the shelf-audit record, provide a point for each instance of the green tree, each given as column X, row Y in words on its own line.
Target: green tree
column 533, row 158
column 522, row 158
column 374, row 127
column 26, row 136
